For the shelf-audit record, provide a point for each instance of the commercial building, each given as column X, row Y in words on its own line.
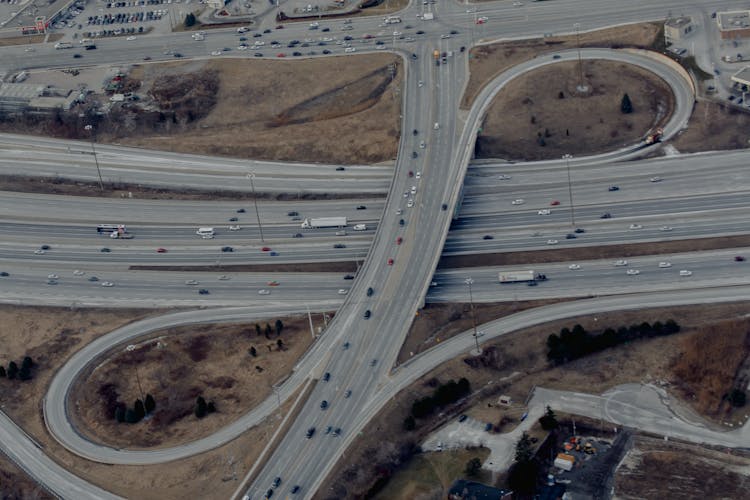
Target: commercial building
column 734, row 24
column 677, row 29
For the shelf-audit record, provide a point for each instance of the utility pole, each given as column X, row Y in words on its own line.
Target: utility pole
column 251, row 176
column 309, row 318
column 90, row 129
column 470, row 282
column 567, row 158
column 581, row 86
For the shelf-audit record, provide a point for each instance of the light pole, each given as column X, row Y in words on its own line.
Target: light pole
column 470, row 282
column 567, row 158
column 251, row 176
column 581, row 86
column 90, row 129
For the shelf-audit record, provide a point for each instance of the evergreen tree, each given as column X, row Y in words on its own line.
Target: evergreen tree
column 200, row 407
column 119, row 414
column 473, row 466
column 12, row 370
column 268, row 330
column 280, row 344
column 549, row 420
column 24, row 373
column 626, row 107
column 149, row 404
column 26, row 363
column 409, row 423
column 189, row 20
column 253, row 352
column 279, row 326
column 130, row 416
column 257, row 329
column 139, row 409
column 211, row 407
column 524, row 453
column 2, row 371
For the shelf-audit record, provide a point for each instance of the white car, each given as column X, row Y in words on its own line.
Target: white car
column 380, row 47
column 350, row 49
column 665, row 228
column 191, row 282
column 410, row 203
column 418, row 175
column 552, row 242
column 574, row 267
column 504, row 177
column 216, row 53
column 413, row 189
column 445, row 36
column 38, row 251
column 396, row 33
column 420, row 83
column 636, row 226
column 78, row 272
column 421, row 145
column 242, row 47
column 621, row 262
column 685, row 272
column 235, row 227
column 258, row 43
column 665, row 265
column 517, row 4
column 544, row 211
column 436, row 126
column 263, row 291
column 129, row 39
column 52, row 276
column 483, row 19
column 632, row 272
column 343, row 291
column 224, row 277
column 519, row 201
column 399, row 211
column 107, row 284
column 655, row 179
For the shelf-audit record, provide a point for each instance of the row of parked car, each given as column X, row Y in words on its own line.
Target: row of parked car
column 125, row 17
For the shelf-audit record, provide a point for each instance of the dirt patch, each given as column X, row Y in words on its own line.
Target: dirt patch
column 520, row 364
column 15, row 484
column 666, row 469
column 29, row 40
column 591, row 253
column 180, row 364
column 531, row 118
column 714, row 126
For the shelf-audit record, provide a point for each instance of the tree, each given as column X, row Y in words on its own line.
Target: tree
column 257, row 329
column 548, row 421
column 130, row 416
column 2, row 371
column 139, row 409
column 24, row 373
column 524, row 452
column 119, row 414
column 279, row 326
column 189, row 20
column 200, row 407
column 211, row 407
column 12, row 370
column 737, row 398
column 522, row 477
column 253, row 352
column 280, row 344
column 26, row 363
column 268, row 330
column 473, row 466
column 150, row 403
column 409, row 423
column 626, row 107
column 561, row 95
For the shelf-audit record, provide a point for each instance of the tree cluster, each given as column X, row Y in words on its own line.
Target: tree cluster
column 523, row 474
column 278, row 328
column 135, row 414
column 190, row 20
column 576, row 343
column 444, row 394
column 14, row 372
column 203, row 408
column 737, row 398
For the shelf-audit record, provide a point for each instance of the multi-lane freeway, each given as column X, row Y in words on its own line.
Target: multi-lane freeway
column 399, row 274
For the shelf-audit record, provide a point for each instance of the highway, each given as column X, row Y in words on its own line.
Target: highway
column 399, row 286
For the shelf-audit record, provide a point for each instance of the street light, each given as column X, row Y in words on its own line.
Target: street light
column 251, row 176
column 90, row 129
column 470, row 282
column 567, row 158
column 581, row 86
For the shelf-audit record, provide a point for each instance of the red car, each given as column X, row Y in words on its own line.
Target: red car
column 266, row 249
column 280, row 27
column 390, row 262
column 739, row 258
column 399, row 240
column 280, row 54
column 411, row 174
column 161, row 250
column 554, row 203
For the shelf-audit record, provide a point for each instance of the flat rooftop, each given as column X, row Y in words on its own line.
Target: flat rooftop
column 734, row 20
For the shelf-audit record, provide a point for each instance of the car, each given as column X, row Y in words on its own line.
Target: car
column 90, row 47
column 161, row 250
column 263, row 291
column 370, row 291
column 574, row 267
column 665, row 264
column 326, row 51
column 103, row 250
column 235, row 227
column 326, row 376
column 296, row 488
column 373, row 362
column 414, row 154
column 343, row 291
column 348, row 393
column 44, row 247
column 323, row 404
column 216, row 53
column 296, row 54
column 107, row 284
column 655, row 179
column 224, row 277
column 518, row 201
column 130, row 38
column 52, row 276
column 685, row 272
column 227, row 249
column 390, row 262
column 340, row 169
column 329, row 429
column 445, row 36
column 191, row 282
column 203, row 291
column 274, row 254
column 635, row 226
column 399, row 240
column 93, row 279
column 265, row 249
column 632, row 272
column 401, row 222
column 276, row 482
column 621, row 262
column 613, row 188
column 665, row 228
column 410, row 173
column 361, row 207
column 310, row 432
column 420, row 83
column 4, row 273
column 280, row 54
column 418, row 175
column 554, row 203
column 544, row 211
column 368, row 314
column 488, row 237
column 420, row 32
column 337, row 431
column 147, row 58
column 422, row 145
column 52, row 282
column 552, row 242
column 444, row 207
column 570, row 236
column 556, row 56
column 399, row 211
column 739, row 258
column 177, row 55
column 414, row 190
column 233, row 219
column 410, row 203
column 605, row 215
column 348, row 277
column 462, row 418
column 293, row 213
column 339, row 245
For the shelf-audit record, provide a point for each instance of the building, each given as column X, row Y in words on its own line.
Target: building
column 742, row 77
column 735, row 24
column 471, row 490
column 678, row 29
column 35, row 98
column 215, row 4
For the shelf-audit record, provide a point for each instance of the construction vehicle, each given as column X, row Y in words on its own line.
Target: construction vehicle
column 589, row 449
column 655, row 136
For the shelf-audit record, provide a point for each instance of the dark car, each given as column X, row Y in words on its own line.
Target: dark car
column 93, row 279
column 77, row 56
column 373, row 362
column 45, row 247
column 90, row 47
column 337, row 431
column 105, row 250
column 454, row 32
column 340, row 169
column 296, row 54
column 368, row 314
column 614, row 188
column 579, row 230
column 258, row 54
column 240, row 210
column 606, row 215
column 444, row 206
column 326, row 51
column 266, row 31
column 570, row 236
column 269, row 493
column 370, row 291
column 420, row 32
column 323, row 404
column 297, row 235
column 295, row 489
column 346, row 345
column 414, row 154
column 414, row 56
column 329, row 429
column 463, row 49
column 227, row 249
column 276, row 482
column 4, row 273
column 292, row 214
column 361, row 207
column 203, row 291
column 233, row 219
column 462, row 418
column 177, row 54
column 310, row 432
column 415, row 132
column 349, row 277
column 339, row 245
column 401, row 222
column 739, row 258
column 348, row 393
column 326, row 376
column 488, row 237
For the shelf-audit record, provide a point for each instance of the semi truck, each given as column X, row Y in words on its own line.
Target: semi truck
column 436, row 56
column 520, row 277
column 324, row 222
column 392, row 20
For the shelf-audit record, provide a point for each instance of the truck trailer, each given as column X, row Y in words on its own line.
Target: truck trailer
column 520, row 277
column 324, row 222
